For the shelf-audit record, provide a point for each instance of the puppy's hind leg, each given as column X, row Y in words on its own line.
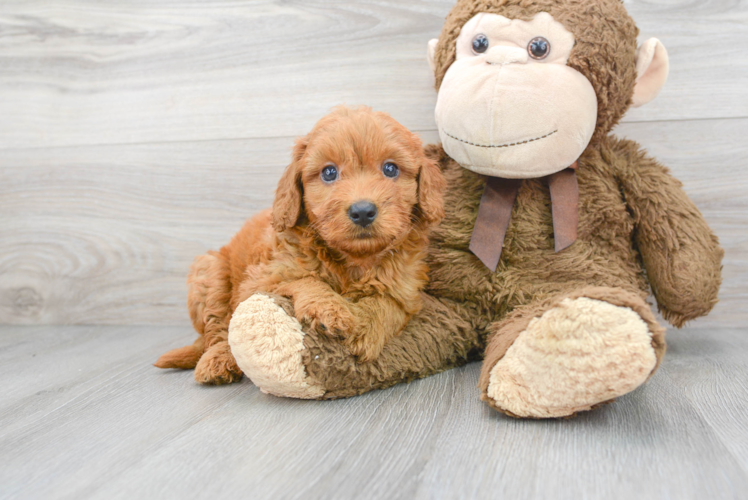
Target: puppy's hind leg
column 218, row 366
column 209, row 293
column 208, row 302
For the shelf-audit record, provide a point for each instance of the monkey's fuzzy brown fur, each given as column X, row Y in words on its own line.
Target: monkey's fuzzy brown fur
column 637, row 230
column 360, row 283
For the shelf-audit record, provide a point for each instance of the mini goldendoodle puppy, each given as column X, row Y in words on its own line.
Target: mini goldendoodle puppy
column 345, row 241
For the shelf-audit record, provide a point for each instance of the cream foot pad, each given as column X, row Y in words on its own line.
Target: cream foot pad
column 580, row 353
column 267, row 345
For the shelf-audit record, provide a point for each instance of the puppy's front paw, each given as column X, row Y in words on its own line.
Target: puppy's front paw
column 217, row 366
column 327, row 316
column 366, row 344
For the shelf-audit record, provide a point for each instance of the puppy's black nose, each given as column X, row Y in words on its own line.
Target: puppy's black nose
column 363, row 213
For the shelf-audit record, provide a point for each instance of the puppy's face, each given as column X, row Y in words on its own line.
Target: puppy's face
column 364, row 183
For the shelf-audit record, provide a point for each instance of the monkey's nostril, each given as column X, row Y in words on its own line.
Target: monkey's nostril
column 362, row 213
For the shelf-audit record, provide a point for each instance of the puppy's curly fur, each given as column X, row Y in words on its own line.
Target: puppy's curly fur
column 361, row 283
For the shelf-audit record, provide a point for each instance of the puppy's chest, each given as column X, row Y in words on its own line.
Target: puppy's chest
column 357, row 283
column 357, row 287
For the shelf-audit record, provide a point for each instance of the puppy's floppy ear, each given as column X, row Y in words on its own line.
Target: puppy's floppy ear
column 431, row 186
column 288, row 197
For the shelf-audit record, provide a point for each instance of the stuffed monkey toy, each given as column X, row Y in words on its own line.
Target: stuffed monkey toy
column 555, row 231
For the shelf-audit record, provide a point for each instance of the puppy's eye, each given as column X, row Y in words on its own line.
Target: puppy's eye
column 329, row 174
column 390, row 170
column 480, row 44
column 539, row 48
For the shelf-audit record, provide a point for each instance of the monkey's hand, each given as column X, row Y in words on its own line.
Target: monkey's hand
column 680, row 253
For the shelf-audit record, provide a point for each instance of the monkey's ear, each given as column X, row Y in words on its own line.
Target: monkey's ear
column 288, row 197
column 431, row 186
column 652, row 67
column 431, row 53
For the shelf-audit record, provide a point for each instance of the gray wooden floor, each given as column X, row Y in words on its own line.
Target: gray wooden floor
column 84, row 415
column 135, row 135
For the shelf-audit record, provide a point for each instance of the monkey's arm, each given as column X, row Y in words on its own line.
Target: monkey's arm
column 680, row 252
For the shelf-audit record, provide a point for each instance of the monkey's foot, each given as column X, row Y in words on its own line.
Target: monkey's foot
column 578, row 354
column 267, row 343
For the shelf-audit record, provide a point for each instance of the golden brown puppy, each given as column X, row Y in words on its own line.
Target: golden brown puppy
column 345, row 240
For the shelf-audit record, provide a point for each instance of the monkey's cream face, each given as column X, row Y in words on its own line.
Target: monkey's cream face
column 509, row 106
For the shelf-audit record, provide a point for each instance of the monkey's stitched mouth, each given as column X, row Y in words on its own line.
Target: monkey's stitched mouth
column 501, row 145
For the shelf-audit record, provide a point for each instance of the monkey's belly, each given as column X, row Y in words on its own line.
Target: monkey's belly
column 603, row 254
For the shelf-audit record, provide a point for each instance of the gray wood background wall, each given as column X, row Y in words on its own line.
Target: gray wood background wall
column 135, row 135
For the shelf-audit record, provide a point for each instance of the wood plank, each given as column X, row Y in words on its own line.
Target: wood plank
column 135, row 431
column 708, row 365
column 105, row 234
column 83, row 444
column 85, row 72
column 626, row 450
column 43, row 368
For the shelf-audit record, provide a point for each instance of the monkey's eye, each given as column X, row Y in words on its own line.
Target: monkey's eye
column 390, row 170
column 480, row 44
column 329, row 174
column 539, row 48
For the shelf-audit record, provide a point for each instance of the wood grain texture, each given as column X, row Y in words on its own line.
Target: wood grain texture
column 87, row 72
column 84, row 415
column 713, row 376
column 88, row 229
column 105, row 234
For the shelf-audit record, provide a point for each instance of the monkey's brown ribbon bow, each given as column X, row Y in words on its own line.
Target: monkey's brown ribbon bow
column 495, row 212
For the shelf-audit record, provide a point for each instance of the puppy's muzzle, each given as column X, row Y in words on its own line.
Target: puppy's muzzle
column 363, row 213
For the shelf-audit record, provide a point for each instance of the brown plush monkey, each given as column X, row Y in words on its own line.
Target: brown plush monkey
column 555, row 231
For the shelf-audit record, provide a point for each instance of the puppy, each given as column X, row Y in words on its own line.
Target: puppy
column 345, row 240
